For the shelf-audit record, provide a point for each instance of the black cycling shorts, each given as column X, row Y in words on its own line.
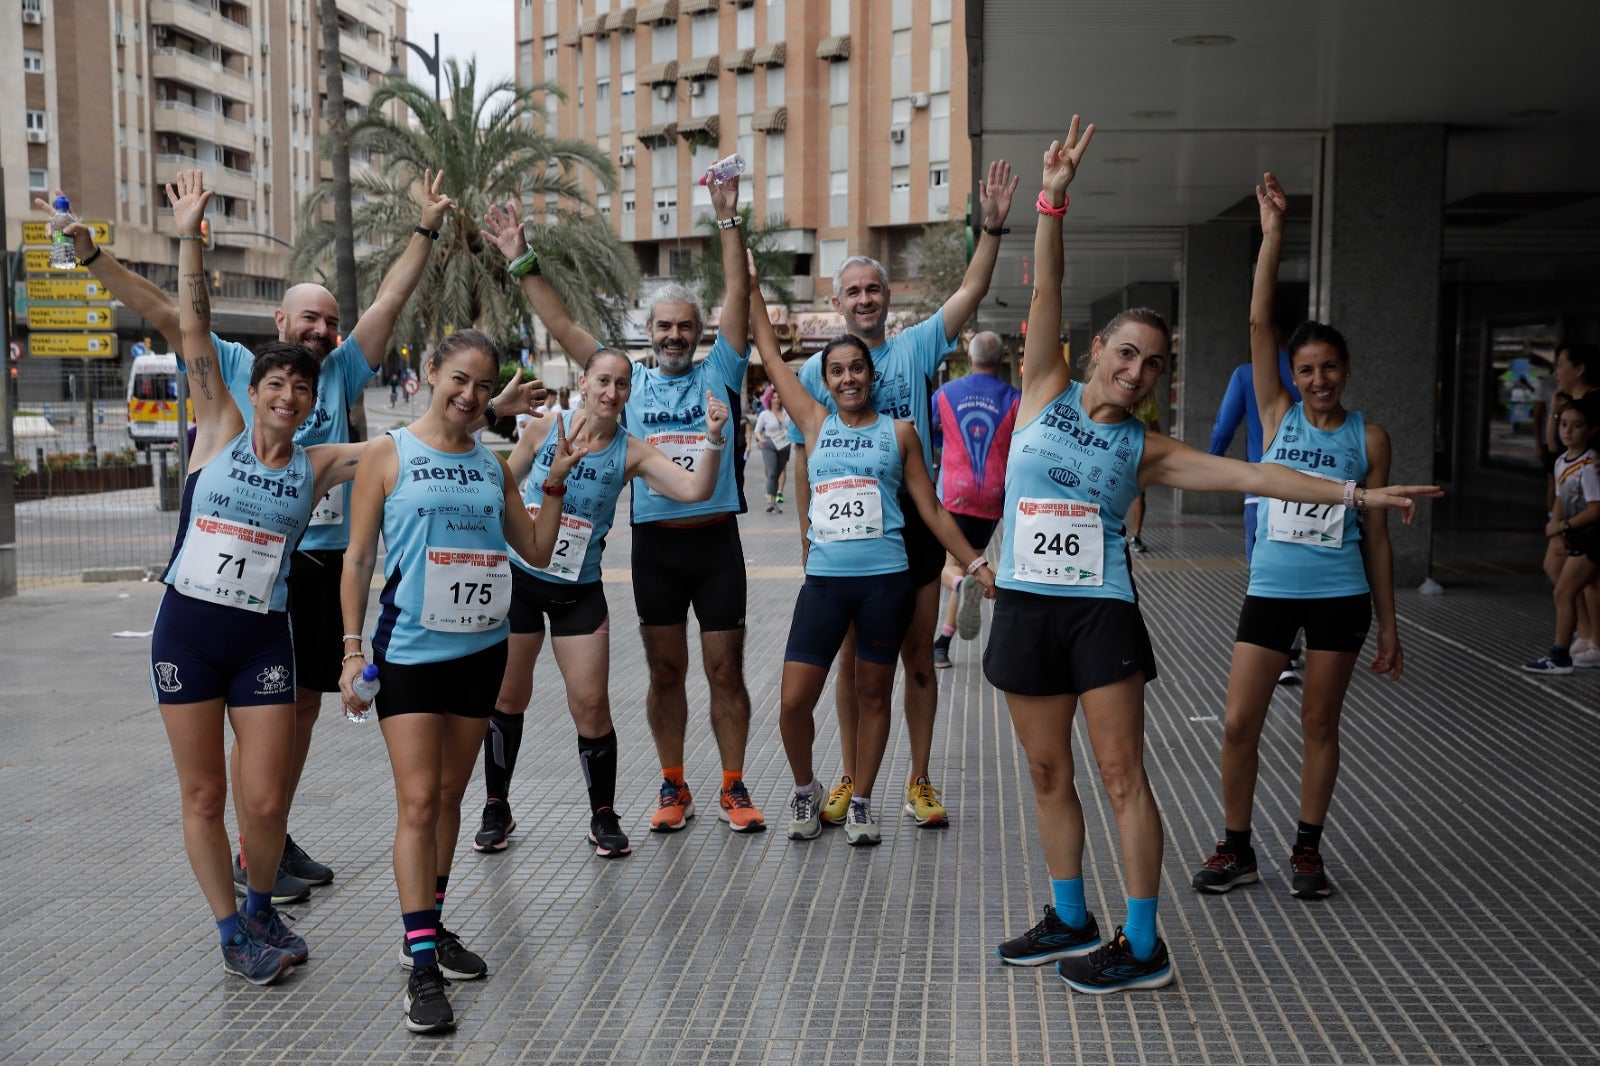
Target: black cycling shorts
column 317, row 618
column 576, row 609
column 203, row 651
column 676, row 567
column 466, row 687
column 1335, row 623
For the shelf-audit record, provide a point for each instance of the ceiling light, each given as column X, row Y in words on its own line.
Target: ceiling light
column 1152, row 114
column 1204, row 40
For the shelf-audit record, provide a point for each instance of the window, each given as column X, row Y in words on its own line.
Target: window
column 839, row 22
column 679, row 261
column 550, row 45
column 703, row 33
column 36, row 122
column 831, row 255
column 32, row 61
column 33, row 7
column 744, row 28
column 629, row 205
column 38, row 179
column 939, row 176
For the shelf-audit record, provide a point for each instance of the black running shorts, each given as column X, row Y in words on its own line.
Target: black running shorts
column 317, row 618
column 677, row 567
column 1337, row 623
column 576, row 609
column 1061, row 645
column 466, row 687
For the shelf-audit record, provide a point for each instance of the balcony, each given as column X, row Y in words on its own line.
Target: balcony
column 172, row 116
column 357, row 91
column 199, row 71
column 200, row 21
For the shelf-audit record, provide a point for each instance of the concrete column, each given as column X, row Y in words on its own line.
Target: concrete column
column 1376, row 254
column 1214, row 327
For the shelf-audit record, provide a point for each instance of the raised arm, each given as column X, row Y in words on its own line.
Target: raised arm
column 503, row 227
column 804, row 409
column 735, row 319
column 673, row 481
column 139, row 294
column 994, row 201
column 375, row 327
column 216, row 415
column 1272, row 399
column 1045, row 374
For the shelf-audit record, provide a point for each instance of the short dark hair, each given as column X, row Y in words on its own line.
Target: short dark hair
column 1313, row 332
column 1584, row 356
column 849, row 340
column 295, row 358
column 462, row 340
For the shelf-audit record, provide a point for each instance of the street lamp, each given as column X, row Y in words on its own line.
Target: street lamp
column 430, row 62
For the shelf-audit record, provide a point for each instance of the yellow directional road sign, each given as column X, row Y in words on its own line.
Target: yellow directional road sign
column 81, row 345
column 38, row 261
column 39, row 232
column 66, row 289
column 81, row 317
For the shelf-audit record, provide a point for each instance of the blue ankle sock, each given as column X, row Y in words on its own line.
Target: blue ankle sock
column 1067, row 898
column 228, row 927
column 422, row 928
column 256, row 902
column 1140, row 928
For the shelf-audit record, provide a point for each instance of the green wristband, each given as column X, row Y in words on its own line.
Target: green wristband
column 524, row 264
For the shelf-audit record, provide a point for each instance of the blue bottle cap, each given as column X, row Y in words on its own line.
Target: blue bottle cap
column 62, row 204
column 370, row 673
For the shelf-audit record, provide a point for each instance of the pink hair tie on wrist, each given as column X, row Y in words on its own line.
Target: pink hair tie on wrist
column 977, row 564
column 1045, row 207
column 1349, row 493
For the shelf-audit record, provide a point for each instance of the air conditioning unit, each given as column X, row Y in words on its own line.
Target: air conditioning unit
column 35, row 18
column 664, row 91
column 266, row 48
column 122, row 39
column 897, row 134
column 625, row 158
column 697, row 88
column 920, row 100
column 664, row 217
column 36, row 137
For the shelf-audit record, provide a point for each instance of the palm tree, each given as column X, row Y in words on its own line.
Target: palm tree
column 492, row 149
column 774, row 265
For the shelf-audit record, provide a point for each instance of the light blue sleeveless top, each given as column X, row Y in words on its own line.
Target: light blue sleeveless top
column 1069, row 484
column 1310, row 566
column 237, row 488
column 855, row 525
column 441, row 500
column 590, row 504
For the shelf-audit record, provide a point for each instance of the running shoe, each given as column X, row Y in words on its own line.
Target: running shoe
column 780, row 497
column 1050, row 940
column 269, row 928
column 1137, row 545
column 1309, row 880
column 771, row 506
column 861, row 828
column 605, row 833
column 303, row 866
column 286, row 889
column 427, row 1008
column 735, row 808
column 456, row 961
column 805, row 816
column 495, row 830
column 1288, row 677
column 837, row 809
column 674, row 810
column 941, row 656
column 1587, row 658
column 260, row 964
column 1547, row 664
column 1113, row 968
column 969, row 617
column 922, row 803
column 1224, row 869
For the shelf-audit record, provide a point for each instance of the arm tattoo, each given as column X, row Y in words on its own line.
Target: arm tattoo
column 200, row 374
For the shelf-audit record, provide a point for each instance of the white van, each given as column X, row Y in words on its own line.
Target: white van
column 153, row 402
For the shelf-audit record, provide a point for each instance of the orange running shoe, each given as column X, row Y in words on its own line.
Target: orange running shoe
column 741, row 815
column 674, row 810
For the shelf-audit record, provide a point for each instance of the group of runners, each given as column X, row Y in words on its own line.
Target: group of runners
column 271, row 571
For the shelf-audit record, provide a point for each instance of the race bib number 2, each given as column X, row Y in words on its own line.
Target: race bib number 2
column 329, row 511
column 230, row 563
column 572, row 546
column 1058, row 542
column 465, row 590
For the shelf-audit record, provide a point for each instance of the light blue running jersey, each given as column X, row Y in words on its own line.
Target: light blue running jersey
column 670, row 412
column 1069, row 484
column 906, row 367
column 448, row 587
column 344, row 374
column 1308, row 550
column 587, row 510
column 855, row 477
column 239, row 523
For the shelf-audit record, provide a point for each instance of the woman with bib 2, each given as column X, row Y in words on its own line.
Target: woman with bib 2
column 1321, row 568
column 221, row 646
column 856, row 564
column 448, row 510
column 1067, row 629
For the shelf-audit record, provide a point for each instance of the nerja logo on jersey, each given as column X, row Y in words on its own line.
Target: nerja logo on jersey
column 431, row 471
column 1314, row 458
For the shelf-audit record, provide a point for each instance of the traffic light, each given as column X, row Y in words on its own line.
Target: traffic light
column 205, row 234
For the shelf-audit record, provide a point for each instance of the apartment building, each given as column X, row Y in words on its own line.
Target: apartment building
column 851, row 115
column 108, row 98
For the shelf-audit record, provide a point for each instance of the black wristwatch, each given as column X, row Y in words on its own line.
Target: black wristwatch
column 488, row 412
column 431, row 234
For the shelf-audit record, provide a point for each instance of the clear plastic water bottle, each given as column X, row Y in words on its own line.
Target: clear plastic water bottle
column 63, row 253
column 366, row 687
column 724, row 170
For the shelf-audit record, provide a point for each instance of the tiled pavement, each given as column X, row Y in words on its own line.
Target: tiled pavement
column 1462, row 842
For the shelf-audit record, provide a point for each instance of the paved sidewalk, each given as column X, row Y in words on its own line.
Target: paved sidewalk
column 1462, row 843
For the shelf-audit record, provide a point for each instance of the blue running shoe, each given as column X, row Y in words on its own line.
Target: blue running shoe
column 270, row 929
column 1050, row 940
column 260, row 964
column 1113, row 968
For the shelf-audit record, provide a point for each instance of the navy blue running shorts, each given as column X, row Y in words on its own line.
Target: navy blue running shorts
column 466, row 687
column 1064, row 645
column 880, row 605
column 316, row 616
column 204, row 651
column 576, row 608
column 676, row 567
column 1335, row 623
